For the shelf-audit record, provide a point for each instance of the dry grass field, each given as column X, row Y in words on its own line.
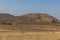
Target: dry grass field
column 45, row 32
column 30, row 36
column 29, row 27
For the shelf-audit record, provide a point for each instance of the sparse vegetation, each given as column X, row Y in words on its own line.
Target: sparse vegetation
column 5, row 23
column 29, row 27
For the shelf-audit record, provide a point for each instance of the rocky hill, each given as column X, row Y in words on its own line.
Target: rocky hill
column 32, row 22
column 36, row 18
column 4, row 16
column 32, row 18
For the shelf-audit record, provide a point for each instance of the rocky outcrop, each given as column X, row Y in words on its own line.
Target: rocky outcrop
column 37, row 18
column 29, row 18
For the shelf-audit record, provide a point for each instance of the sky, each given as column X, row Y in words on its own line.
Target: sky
column 21, row 7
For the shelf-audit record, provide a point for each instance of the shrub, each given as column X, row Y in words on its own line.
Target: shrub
column 9, row 23
column 5, row 23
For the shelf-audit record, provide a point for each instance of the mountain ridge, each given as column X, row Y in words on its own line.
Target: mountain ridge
column 35, row 22
column 29, row 17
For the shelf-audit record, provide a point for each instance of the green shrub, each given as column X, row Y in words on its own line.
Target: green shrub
column 5, row 23
column 9, row 23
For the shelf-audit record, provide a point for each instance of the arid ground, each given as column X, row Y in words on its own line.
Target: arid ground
column 46, row 33
column 30, row 36
column 29, row 27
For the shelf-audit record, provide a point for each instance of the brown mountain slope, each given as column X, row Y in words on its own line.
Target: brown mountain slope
column 4, row 16
column 31, row 18
column 36, row 18
column 30, row 22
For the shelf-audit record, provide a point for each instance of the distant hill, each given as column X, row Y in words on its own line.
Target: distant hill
column 33, row 18
column 32, row 22
column 29, row 18
column 4, row 16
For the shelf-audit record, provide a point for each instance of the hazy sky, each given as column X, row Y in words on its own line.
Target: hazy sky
column 19, row 7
